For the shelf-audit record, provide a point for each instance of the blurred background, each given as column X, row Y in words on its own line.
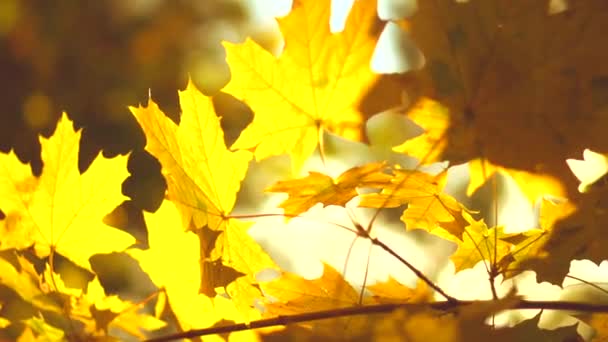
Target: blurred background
column 94, row 61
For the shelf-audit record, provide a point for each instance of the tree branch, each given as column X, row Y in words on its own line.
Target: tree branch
column 376, row 309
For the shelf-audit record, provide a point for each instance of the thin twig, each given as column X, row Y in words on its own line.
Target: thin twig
column 412, row 268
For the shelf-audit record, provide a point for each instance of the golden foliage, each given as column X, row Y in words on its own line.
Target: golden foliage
column 500, row 78
column 315, row 83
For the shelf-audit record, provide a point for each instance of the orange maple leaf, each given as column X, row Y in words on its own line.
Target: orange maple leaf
column 428, row 207
column 315, row 188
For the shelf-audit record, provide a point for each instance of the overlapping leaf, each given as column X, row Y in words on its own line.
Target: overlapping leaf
column 392, row 291
column 511, row 77
column 293, row 294
column 480, row 243
column 203, row 176
column 90, row 312
column 314, row 85
column 568, row 234
column 63, row 210
column 428, row 207
column 315, row 188
column 569, row 229
column 26, row 283
column 298, row 295
column 173, row 262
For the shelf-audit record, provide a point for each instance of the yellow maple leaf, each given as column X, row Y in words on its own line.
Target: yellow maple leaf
column 313, row 86
column 173, row 263
column 428, row 207
column 292, row 294
column 62, row 210
column 203, row 176
column 295, row 294
column 512, row 83
column 315, row 188
column 392, row 291
column 480, row 243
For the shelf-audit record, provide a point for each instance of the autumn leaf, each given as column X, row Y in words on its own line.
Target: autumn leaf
column 428, row 207
column 514, row 84
column 92, row 314
column 203, row 176
column 111, row 312
column 177, row 266
column 569, row 229
column 392, row 291
column 173, row 264
column 574, row 230
column 291, row 294
column 62, row 210
column 480, row 243
column 26, row 282
column 434, row 119
column 89, row 311
column 417, row 327
column 313, row 86
column 295, row 294
column 315, row 188
column 40, row 330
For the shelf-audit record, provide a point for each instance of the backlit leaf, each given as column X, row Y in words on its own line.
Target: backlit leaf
column 314, row 85
column 173, row 264
column 522, row 86
column 428, row 207
column 571, row 234
column 295, row 294
column 393, row 291
column 480, row 243
column 26, row 282
column 62, row 210
column 315, row 188
column 203, row 176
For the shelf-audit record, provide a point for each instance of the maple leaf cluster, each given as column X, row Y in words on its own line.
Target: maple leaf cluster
column 514, row 88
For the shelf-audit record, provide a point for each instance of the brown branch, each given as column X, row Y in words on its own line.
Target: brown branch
column 375, row 309
column 412, row 268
